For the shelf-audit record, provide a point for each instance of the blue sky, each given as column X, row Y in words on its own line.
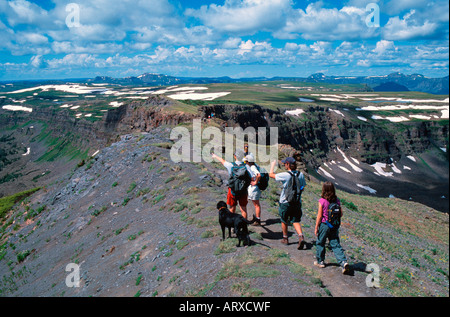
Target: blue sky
column 237, row 38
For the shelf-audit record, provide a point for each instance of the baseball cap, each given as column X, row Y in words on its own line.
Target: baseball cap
column 289, row 160
column 249, row 158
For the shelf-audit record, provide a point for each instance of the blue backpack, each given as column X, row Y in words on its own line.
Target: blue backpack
column 334, row 215
column 264, row 180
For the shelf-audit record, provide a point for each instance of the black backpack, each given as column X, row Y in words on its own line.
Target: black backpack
column 264, row 180
column 239, row 179
column 334, row 215
column 293, row 190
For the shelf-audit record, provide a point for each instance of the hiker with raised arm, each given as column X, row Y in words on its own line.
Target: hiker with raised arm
column 238, row 183
column 290, row 205
column 259, row 183
column 327, row 227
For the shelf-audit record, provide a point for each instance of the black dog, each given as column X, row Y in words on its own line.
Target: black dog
column 228, row 219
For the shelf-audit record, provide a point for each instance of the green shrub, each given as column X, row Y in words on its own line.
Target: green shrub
column 6, row 203
column 21, row 256
column 349, row 204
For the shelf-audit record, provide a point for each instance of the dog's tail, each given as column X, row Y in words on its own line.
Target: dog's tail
column 249, row 222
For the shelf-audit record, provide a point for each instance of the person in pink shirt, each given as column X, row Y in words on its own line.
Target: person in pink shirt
column 325, row 230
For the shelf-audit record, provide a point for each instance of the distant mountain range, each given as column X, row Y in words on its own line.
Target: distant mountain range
column 390, row 86
column 414, row 82
column 391, row 82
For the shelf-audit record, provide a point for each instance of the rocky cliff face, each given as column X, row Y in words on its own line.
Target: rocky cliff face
column 318, row 132
column 141, row 116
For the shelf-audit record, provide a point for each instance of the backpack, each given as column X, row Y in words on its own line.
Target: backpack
column 334, row 215
column 293, row 190
column 264, row 180
column 239, row 179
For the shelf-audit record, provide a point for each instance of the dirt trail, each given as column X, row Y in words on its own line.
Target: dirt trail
column 352, row 284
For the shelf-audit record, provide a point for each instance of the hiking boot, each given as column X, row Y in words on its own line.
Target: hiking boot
column 345, row 267
column 285, row 241
column 301, row 243
column 257, row 223
column 320, row 264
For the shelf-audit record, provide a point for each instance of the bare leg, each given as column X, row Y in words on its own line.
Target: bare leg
column 298, row 228
column 257, row 208
column 284, row 228
column 243, row 211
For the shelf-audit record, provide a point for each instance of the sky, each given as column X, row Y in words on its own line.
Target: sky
column 56, row 39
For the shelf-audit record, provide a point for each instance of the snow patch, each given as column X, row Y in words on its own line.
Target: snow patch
column 295, row 112
column 397, row 119
column 76, row 89
column 345, row 169
column 195, row 96
column 331, row 99
column 395, row 169
column 17, row 108
column 369, row 189
column 115, row 104
column 326, row 173
column 338, row 112
column 379, row 167
column 353, row 166
column 418, row 116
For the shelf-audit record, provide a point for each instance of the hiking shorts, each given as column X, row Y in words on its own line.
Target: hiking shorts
column 233, row 200
column 254, row 193
column 290, row 213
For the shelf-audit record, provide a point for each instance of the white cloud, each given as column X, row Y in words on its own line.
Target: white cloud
column 395, row 7
column 319, row 23
column 66, row 47
column 408, row 28
column 383, row 47
column 24, row 12
column 32, row 38
column 38, row 61
column 364, row 63
column 244, row 17
column 74, row 60
column 232, row 42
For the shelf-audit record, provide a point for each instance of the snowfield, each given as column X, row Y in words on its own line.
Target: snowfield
column 75, row 89
column 295, row 112
column 17, row 108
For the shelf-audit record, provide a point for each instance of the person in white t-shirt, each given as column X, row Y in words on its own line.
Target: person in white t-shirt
column 254, row 193
column 289, row 212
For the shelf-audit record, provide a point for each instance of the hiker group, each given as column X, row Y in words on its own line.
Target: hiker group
column 247, row 181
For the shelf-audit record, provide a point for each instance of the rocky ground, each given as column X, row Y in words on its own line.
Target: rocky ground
column 139, row 225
